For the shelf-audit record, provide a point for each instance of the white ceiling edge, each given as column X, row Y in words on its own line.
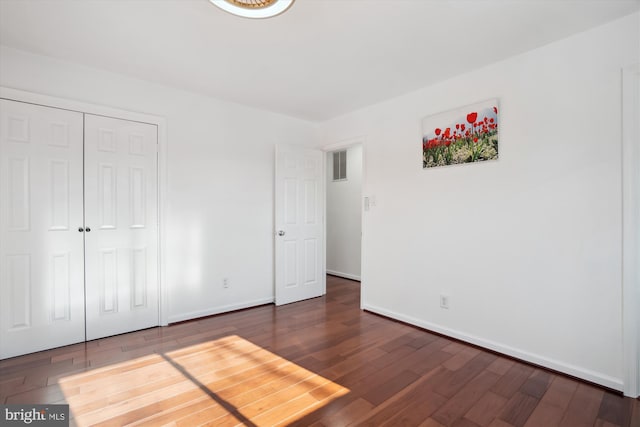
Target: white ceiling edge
column 338, row 60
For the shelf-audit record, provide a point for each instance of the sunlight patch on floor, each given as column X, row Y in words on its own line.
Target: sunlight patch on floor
column 228, row 381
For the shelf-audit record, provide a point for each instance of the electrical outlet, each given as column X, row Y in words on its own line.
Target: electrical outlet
column 225, row 283
column 444, row 301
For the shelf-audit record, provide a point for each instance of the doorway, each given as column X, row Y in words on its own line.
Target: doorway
column 344, row 174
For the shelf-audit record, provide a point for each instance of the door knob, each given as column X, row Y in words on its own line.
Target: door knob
column 80, row 229
column 281, row 233
column 87, row 229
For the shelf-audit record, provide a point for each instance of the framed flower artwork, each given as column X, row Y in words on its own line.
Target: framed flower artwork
column 464, row 135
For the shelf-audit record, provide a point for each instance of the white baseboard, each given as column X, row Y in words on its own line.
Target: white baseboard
column 576, row 371
column 217, row 310
column 345, row 275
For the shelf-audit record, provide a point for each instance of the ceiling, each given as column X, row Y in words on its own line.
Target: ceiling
column 320, row 59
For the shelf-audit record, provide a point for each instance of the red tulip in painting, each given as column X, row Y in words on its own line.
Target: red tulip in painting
column 471, row 117
column 470, row 135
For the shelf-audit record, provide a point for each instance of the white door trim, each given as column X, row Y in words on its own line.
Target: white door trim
column 100, row 110
column 346, row 143
column 631, row 230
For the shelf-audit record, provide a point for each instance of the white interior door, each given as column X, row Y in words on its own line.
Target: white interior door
column 121, row 213
column 299, row 221
column 41, row 250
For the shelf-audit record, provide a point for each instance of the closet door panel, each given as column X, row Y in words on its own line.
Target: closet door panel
column 121, row 211
column 41, row 250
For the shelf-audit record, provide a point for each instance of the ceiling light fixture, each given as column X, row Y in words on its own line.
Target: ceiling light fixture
column 254, row 8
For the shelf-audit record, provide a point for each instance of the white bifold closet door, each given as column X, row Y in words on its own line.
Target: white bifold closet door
column 78, row 227
column 121, row 212
column 41, row 250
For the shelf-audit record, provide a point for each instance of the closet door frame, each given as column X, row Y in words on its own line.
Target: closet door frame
column 99, row 110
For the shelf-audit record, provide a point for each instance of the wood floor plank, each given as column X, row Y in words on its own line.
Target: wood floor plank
column 584, row 406
column 611, row 409
column 323, row 413
column 464, row 422
column 537, row 384
column 50, row 393
column 560, row 392
column 293, row 409
column 461, row 358
column 454, row 347
column 422, row 340
column 410, row 406
column 17, row 364
column 427, row 361
column 377, row 395
column 486, row 409
column 418, row 410
column 320, row 362
column 430, row 422
column 17, row 389
column 501, row 365
column 518, row 409
column 38, row 375
column 461, row 402
column 545, row 414
column 602, row 423
column 398, row 342
column 175, row 412
column 462, row 376
column 634, row 413
column 347, row 415
column 512, row 380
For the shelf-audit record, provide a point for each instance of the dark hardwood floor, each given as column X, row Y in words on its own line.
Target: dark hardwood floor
column 321, row 362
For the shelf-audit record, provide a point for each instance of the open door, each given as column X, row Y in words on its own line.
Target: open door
column 299, row 224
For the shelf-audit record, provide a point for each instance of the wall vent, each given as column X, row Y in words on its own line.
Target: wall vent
column 340, row 165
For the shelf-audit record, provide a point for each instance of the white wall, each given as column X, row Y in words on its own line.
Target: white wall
column 344, row 217
column 527, row 247
column 220, row 178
